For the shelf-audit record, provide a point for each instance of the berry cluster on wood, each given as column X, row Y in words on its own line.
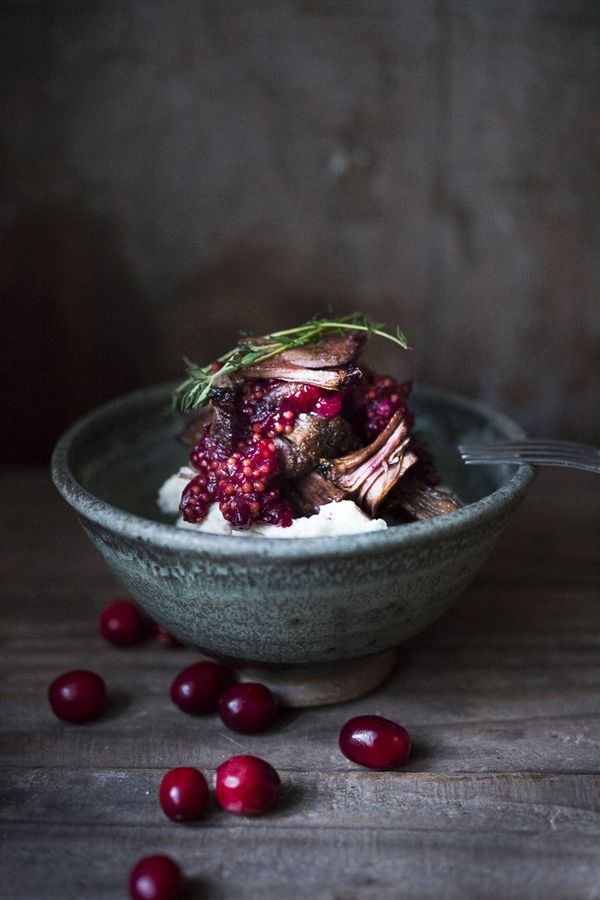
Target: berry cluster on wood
column 244, row 785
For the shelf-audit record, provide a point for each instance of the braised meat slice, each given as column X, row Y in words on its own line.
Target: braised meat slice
column 330, row 379
column 221, row 415
column 329, row 353
column 312, row 439
column 329, row 363
column 312, row 491
column 421, row 500
column 367, row 475
column 224, row 424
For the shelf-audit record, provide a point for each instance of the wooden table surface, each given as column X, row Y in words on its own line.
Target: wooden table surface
column 500, row 799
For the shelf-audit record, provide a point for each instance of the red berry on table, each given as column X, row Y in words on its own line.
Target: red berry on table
column 156, row 878
column 77, row 696
column 375, row 742
column 246, row 785
column 183, row 794
column 248, row 707
column 196, row 690
column 122, row 623
column 163, row 637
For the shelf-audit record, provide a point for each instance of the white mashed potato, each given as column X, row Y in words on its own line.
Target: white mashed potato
column 343, row 517
column 169, row 495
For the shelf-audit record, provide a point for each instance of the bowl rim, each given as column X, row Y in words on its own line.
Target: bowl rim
column 167, row 536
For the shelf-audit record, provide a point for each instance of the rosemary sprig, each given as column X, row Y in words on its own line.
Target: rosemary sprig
column 193, row 392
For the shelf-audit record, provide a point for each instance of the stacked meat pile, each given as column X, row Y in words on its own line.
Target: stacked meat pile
column 307, row 427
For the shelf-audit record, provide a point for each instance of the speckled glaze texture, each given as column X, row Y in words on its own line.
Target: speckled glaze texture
column 297, row 601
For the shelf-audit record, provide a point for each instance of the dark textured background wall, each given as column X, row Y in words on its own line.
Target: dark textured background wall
column 174, row 170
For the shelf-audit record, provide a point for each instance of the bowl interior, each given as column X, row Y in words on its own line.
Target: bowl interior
column 122, row 453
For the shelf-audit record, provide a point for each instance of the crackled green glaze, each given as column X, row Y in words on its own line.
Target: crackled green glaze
column 297, row 601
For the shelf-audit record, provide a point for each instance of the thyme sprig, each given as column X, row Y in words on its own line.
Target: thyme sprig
column 193, row 392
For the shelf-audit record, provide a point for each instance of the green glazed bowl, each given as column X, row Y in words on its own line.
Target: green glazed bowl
column 320, row 618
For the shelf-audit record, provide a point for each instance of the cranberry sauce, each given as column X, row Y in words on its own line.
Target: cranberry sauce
column 268, row 414
column 370, row 405
column 239, row 482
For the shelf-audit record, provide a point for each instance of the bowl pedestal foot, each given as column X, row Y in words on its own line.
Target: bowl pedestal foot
column 301, row 686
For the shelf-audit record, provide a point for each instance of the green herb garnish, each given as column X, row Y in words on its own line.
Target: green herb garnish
column 193, row 392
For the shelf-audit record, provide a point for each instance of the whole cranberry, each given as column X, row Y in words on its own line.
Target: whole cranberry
column 156, row 878
column 164, row 638
column 246, row 785
column 375, row 742
column 77, row 696
column 122, row 623
column 196, row 690
column 248, row 707
column 183, row 794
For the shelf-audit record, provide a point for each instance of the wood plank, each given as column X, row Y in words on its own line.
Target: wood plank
column 560, row 744
column 522, row 802
column 254, row 860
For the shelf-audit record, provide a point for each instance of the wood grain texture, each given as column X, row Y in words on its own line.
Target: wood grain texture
column 175, row 171
column 329, row 864
column 521, row 803
column 500, row 799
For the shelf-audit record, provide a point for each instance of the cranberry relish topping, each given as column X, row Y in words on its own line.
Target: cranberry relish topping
column 371, row 404
column 268, row 414
column 238, row 482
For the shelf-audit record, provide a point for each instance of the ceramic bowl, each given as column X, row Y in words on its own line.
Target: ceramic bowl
column 321, row 618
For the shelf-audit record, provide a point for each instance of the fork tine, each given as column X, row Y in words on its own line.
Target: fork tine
column 524, row 453
column 568, row 454
column 518, row 451
column 570, row 447
column 534, row 461
column 521, row 451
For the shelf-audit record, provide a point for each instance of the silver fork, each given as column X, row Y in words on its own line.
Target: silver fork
column 567, row 454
